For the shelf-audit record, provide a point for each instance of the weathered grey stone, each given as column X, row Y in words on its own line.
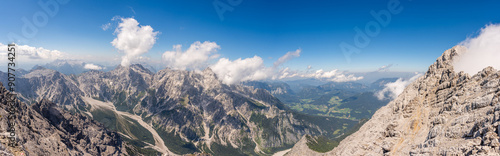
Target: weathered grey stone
column 443, row 113
column 45, row 129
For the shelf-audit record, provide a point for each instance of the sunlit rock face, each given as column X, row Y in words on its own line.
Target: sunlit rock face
column 441, row 113
column 46, row 129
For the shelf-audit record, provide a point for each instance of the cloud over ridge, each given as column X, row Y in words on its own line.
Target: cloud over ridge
column 133, row 39
column 393, row 89
column 482, row 51
column 199, row 54
column 253, row 69
column 196, row 56
column 249, row 69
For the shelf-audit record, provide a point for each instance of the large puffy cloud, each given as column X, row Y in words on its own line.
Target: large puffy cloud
column 231, row 72
column 483, row 51
column 196, row 56
column 393, row 89
column 252, row 69
column 33, row 54
column 133, row 39
column 199, row 54
column 228, row 71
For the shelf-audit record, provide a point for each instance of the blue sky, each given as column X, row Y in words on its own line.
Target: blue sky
column 411, row 41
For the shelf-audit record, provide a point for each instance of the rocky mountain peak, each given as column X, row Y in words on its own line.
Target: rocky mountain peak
column 445, row 61
column 41, row 71
column 208, row 72
column 133, row 67
column 37, row 67
column 440, row 113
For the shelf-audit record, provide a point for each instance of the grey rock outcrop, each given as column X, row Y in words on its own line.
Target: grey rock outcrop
column 441, row 113
column 301, row 149
column 45, row 129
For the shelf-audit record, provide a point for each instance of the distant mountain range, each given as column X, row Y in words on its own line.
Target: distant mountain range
column 66, row 66
column 76, row 67
column 179, row 112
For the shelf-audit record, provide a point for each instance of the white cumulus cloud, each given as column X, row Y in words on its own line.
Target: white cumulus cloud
column 249, row 69
column 27, row 53
column 483, row 51
column 253, row 69
column 91, row 66
column 196, row 56
column 286, row 73
column 133, row 39
column 393, row 89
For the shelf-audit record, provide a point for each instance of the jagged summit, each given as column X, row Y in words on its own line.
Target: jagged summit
column 61, row 62
column 441, row 113
column 37, row 67
column 445, row 61
column 209, row 72
column 129, row 66
column 134, row 67
column 41, row 71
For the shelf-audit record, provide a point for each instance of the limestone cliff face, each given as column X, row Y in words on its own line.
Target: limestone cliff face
column 441, row 113
column 45, row 129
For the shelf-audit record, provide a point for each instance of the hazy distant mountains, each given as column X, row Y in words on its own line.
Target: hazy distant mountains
column 67, row 66
column 76, row 67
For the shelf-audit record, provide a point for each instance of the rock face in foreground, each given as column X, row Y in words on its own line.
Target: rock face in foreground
column 441, row 113
column 301, row 148
column 45, row 129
